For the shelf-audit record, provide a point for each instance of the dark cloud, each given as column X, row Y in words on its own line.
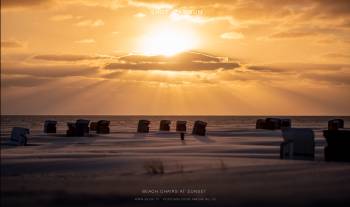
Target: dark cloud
column 342, row 78
column 188, row 61
column 23, row 3
column 337, row 74
column 333, row 7
column 68, row 57
column 50, row 71
column 23, row 81
column 266, row 69
column 193, row 66
column 297, row 67
column 11, row 44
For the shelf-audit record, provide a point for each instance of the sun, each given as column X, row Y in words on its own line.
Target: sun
column 167, row 41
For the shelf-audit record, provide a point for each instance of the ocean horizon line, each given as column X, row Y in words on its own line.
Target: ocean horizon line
column 184, row 115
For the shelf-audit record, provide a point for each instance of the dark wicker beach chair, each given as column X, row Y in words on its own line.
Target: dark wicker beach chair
column 143, row 126
column 50, row 126
column 164, row 125
column 199, row 128
column 79, row 128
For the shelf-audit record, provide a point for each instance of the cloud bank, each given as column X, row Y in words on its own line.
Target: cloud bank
column 187, row 61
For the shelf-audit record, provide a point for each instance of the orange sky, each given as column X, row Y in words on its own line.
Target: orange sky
column 128, row 57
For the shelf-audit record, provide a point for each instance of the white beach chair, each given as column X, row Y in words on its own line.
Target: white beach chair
column 299, row 143
column 19, row 136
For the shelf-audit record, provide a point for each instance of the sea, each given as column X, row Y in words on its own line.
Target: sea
column 121, row 124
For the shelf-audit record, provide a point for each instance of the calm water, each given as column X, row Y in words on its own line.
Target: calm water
column 129, row 123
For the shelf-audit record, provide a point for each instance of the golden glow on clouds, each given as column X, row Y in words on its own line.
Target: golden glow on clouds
column 232, row 35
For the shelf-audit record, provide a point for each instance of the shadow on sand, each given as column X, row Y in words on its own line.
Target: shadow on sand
column 204, row 139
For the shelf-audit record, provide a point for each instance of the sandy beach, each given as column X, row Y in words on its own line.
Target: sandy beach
column 231, row 168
